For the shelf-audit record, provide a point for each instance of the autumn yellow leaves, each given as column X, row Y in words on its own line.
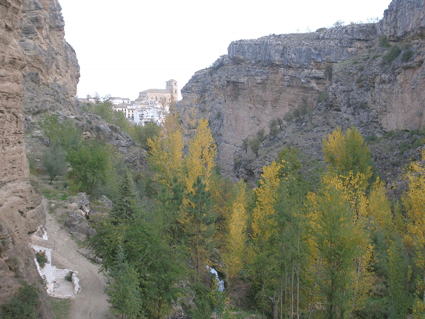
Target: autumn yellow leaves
column 318, row 249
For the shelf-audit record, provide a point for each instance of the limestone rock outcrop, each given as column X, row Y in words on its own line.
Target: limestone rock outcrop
column 403, row 17
column 51, row 71
column 339, row 77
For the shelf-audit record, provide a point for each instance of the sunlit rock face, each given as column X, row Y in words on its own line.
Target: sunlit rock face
column 51, row 71
column 337, row 75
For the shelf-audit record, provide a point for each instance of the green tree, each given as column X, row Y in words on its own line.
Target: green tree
column 198, row 221
column 143, row 133
column 255, row 144
column 274, row 127
column 148, row 255
column 54, row 161
column 245, row 144
column 123, row 289
column 335, row 241
column 62, row 131
column 126, row 200
column 90, row 166
column 400, row 299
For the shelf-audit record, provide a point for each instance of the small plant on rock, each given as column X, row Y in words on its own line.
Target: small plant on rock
column 383, row 42
column 41, row 258
column 392, row 54
column 68, row 276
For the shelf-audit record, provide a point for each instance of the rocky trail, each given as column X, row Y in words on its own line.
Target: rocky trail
column 91, row 302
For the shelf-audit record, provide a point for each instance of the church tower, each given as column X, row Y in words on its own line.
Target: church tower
column 171, row 86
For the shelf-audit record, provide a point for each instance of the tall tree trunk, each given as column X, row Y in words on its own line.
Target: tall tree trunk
column 424, row 289
column 197, row 254
column 292, row 288
column 275, row 309
column 286, row 289
column 298, row 275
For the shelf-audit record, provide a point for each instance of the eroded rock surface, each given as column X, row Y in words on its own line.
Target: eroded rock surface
column 312, row 83
column 21, row 211
column 51, row 71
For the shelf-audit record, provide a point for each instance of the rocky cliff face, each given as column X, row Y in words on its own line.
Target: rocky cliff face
column 51, row 71
column 311, row 83
column 403, row 18
column 29, row 30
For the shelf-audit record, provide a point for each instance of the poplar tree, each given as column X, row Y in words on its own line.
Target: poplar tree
column 237, row 233
column 414, row 203
column 200, row 159
column 347, row 152
column 334, row 240
column 166, row 152
column 265, row 253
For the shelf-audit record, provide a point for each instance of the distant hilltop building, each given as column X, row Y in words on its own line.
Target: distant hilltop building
column 119, row 100
column 159, row 95
column 151, row 105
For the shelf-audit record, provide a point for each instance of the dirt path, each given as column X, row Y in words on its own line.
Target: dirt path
column 91, row 303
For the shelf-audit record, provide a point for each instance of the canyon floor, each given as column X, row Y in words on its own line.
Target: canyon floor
column 91, row 302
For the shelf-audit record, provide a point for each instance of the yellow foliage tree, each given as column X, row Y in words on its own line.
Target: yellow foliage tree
column 263, row 224
column 200, row 159
column 347, row 153
column 166, row 152
column 237, row 235
column 380, row 207
column 340, row 253
column 414, row 202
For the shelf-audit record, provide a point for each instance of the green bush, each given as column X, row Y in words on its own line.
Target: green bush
column 383, row 41
column 68, row 276
column 274, row 127
column 105, row 111
column 328, row 72
column 392, row 54
column 407, row 55
column 261, row 134
column 54, row 161
column 25, row 304
column 255, row 145
column 61, row 131
column 91, row 164
column 41, row 258
column 323, row 97
column 143, row 133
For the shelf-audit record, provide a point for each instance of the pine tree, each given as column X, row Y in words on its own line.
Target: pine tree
column 199, row 223
column 123, row 289
column 125, row 204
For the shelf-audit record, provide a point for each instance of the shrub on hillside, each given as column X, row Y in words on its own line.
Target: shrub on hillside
column 25, row 304
column 392, row 54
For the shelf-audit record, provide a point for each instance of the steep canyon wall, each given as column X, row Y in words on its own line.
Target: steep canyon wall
column 312, row 83
column 34, row 57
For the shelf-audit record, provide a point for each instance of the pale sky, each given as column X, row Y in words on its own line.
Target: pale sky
column 127, row 46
